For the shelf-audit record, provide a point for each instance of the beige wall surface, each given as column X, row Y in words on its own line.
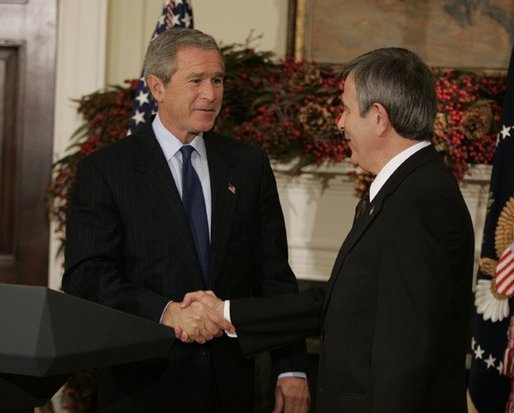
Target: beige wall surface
column 130, row 27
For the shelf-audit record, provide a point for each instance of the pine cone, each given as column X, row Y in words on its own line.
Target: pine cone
column 307, row 75
column 440, row 124
column 476, row 121
column 316, row 120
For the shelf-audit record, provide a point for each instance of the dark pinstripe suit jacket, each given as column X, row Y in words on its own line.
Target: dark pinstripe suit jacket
column 394, row 315
column 128, row 246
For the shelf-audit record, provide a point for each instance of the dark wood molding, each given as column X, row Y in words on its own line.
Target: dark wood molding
column 28, row 35
column 10, row 55
column 291, row 27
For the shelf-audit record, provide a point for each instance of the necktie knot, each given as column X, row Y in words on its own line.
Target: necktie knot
column 186, row 151
column 362, row 205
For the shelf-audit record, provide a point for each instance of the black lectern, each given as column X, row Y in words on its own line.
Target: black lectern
column 46, row 335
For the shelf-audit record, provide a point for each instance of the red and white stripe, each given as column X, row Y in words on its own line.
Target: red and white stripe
column 169, row 14
column 504, row 277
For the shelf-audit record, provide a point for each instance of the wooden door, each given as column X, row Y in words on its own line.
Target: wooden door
column 27, row 71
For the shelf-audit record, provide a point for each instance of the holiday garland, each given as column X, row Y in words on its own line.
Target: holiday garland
column 290, row 110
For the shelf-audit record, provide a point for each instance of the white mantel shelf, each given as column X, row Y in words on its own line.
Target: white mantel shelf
column 318, row 208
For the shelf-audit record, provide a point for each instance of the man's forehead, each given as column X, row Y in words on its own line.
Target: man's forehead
column 205, row 61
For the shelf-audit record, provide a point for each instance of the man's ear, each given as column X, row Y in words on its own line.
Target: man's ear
column 156, row 87
column 383, row 124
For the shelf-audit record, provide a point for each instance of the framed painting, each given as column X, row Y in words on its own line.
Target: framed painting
column 470, row 34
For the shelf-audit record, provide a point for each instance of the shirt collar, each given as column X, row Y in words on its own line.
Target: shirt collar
column 170, row 144
column 391, row 166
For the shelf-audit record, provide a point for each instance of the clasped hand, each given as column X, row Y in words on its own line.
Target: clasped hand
column 198, row 318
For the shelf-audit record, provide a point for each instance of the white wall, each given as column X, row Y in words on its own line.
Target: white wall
column 128, row 34
column 80, row 69
column 228, row 21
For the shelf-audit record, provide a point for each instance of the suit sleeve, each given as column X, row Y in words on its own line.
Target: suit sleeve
column 94, row 253
column 277, row 276
column 269, row 323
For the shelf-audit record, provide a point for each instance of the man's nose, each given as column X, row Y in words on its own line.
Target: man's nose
column 340, row 123
column 209, row 91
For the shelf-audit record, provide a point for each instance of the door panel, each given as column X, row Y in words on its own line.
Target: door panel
column 27, row 78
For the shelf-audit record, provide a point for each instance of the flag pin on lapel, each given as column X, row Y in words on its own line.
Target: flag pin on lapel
column 232, row 188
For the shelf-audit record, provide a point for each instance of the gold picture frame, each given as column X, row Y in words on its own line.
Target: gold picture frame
column 445, row 33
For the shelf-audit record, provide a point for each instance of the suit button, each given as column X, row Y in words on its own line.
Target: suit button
column 322, row 336
column 203, row 352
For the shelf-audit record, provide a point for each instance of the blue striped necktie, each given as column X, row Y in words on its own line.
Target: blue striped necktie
column 194, row 204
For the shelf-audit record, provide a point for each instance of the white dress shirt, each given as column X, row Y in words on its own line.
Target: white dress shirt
column 391, row 166
column 170, row 146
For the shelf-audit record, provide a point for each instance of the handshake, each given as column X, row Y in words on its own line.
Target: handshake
column 198, row 318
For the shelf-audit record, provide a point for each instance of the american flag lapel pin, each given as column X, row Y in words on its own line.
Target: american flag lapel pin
column 232, row 188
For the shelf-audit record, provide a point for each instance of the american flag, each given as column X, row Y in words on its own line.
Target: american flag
column 505, row 272
column 175, row 13
column 490, row 378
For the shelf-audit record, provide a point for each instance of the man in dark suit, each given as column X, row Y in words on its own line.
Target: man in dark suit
column 393, row 318
column 176, row 208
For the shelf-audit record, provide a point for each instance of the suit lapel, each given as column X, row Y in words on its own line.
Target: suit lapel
column 158, row 188
column 420, row 158
column 358, row 229
column 224, row 195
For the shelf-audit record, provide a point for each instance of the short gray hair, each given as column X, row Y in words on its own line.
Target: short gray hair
column 160, row 59
column 399, row 80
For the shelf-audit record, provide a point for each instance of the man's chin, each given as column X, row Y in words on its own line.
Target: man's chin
column 205, row 126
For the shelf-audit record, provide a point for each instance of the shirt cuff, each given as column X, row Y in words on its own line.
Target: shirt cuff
column 226, row 315
column 299, row 374
column 164, row 311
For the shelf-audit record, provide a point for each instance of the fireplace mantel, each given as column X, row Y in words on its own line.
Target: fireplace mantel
column 319, row 205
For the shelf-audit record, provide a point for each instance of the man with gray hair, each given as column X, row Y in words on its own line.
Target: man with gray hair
column 393, row 318
column 177, row 208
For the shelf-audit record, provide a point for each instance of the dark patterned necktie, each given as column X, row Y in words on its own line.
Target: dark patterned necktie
column 361, row 207
column 194, row 204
